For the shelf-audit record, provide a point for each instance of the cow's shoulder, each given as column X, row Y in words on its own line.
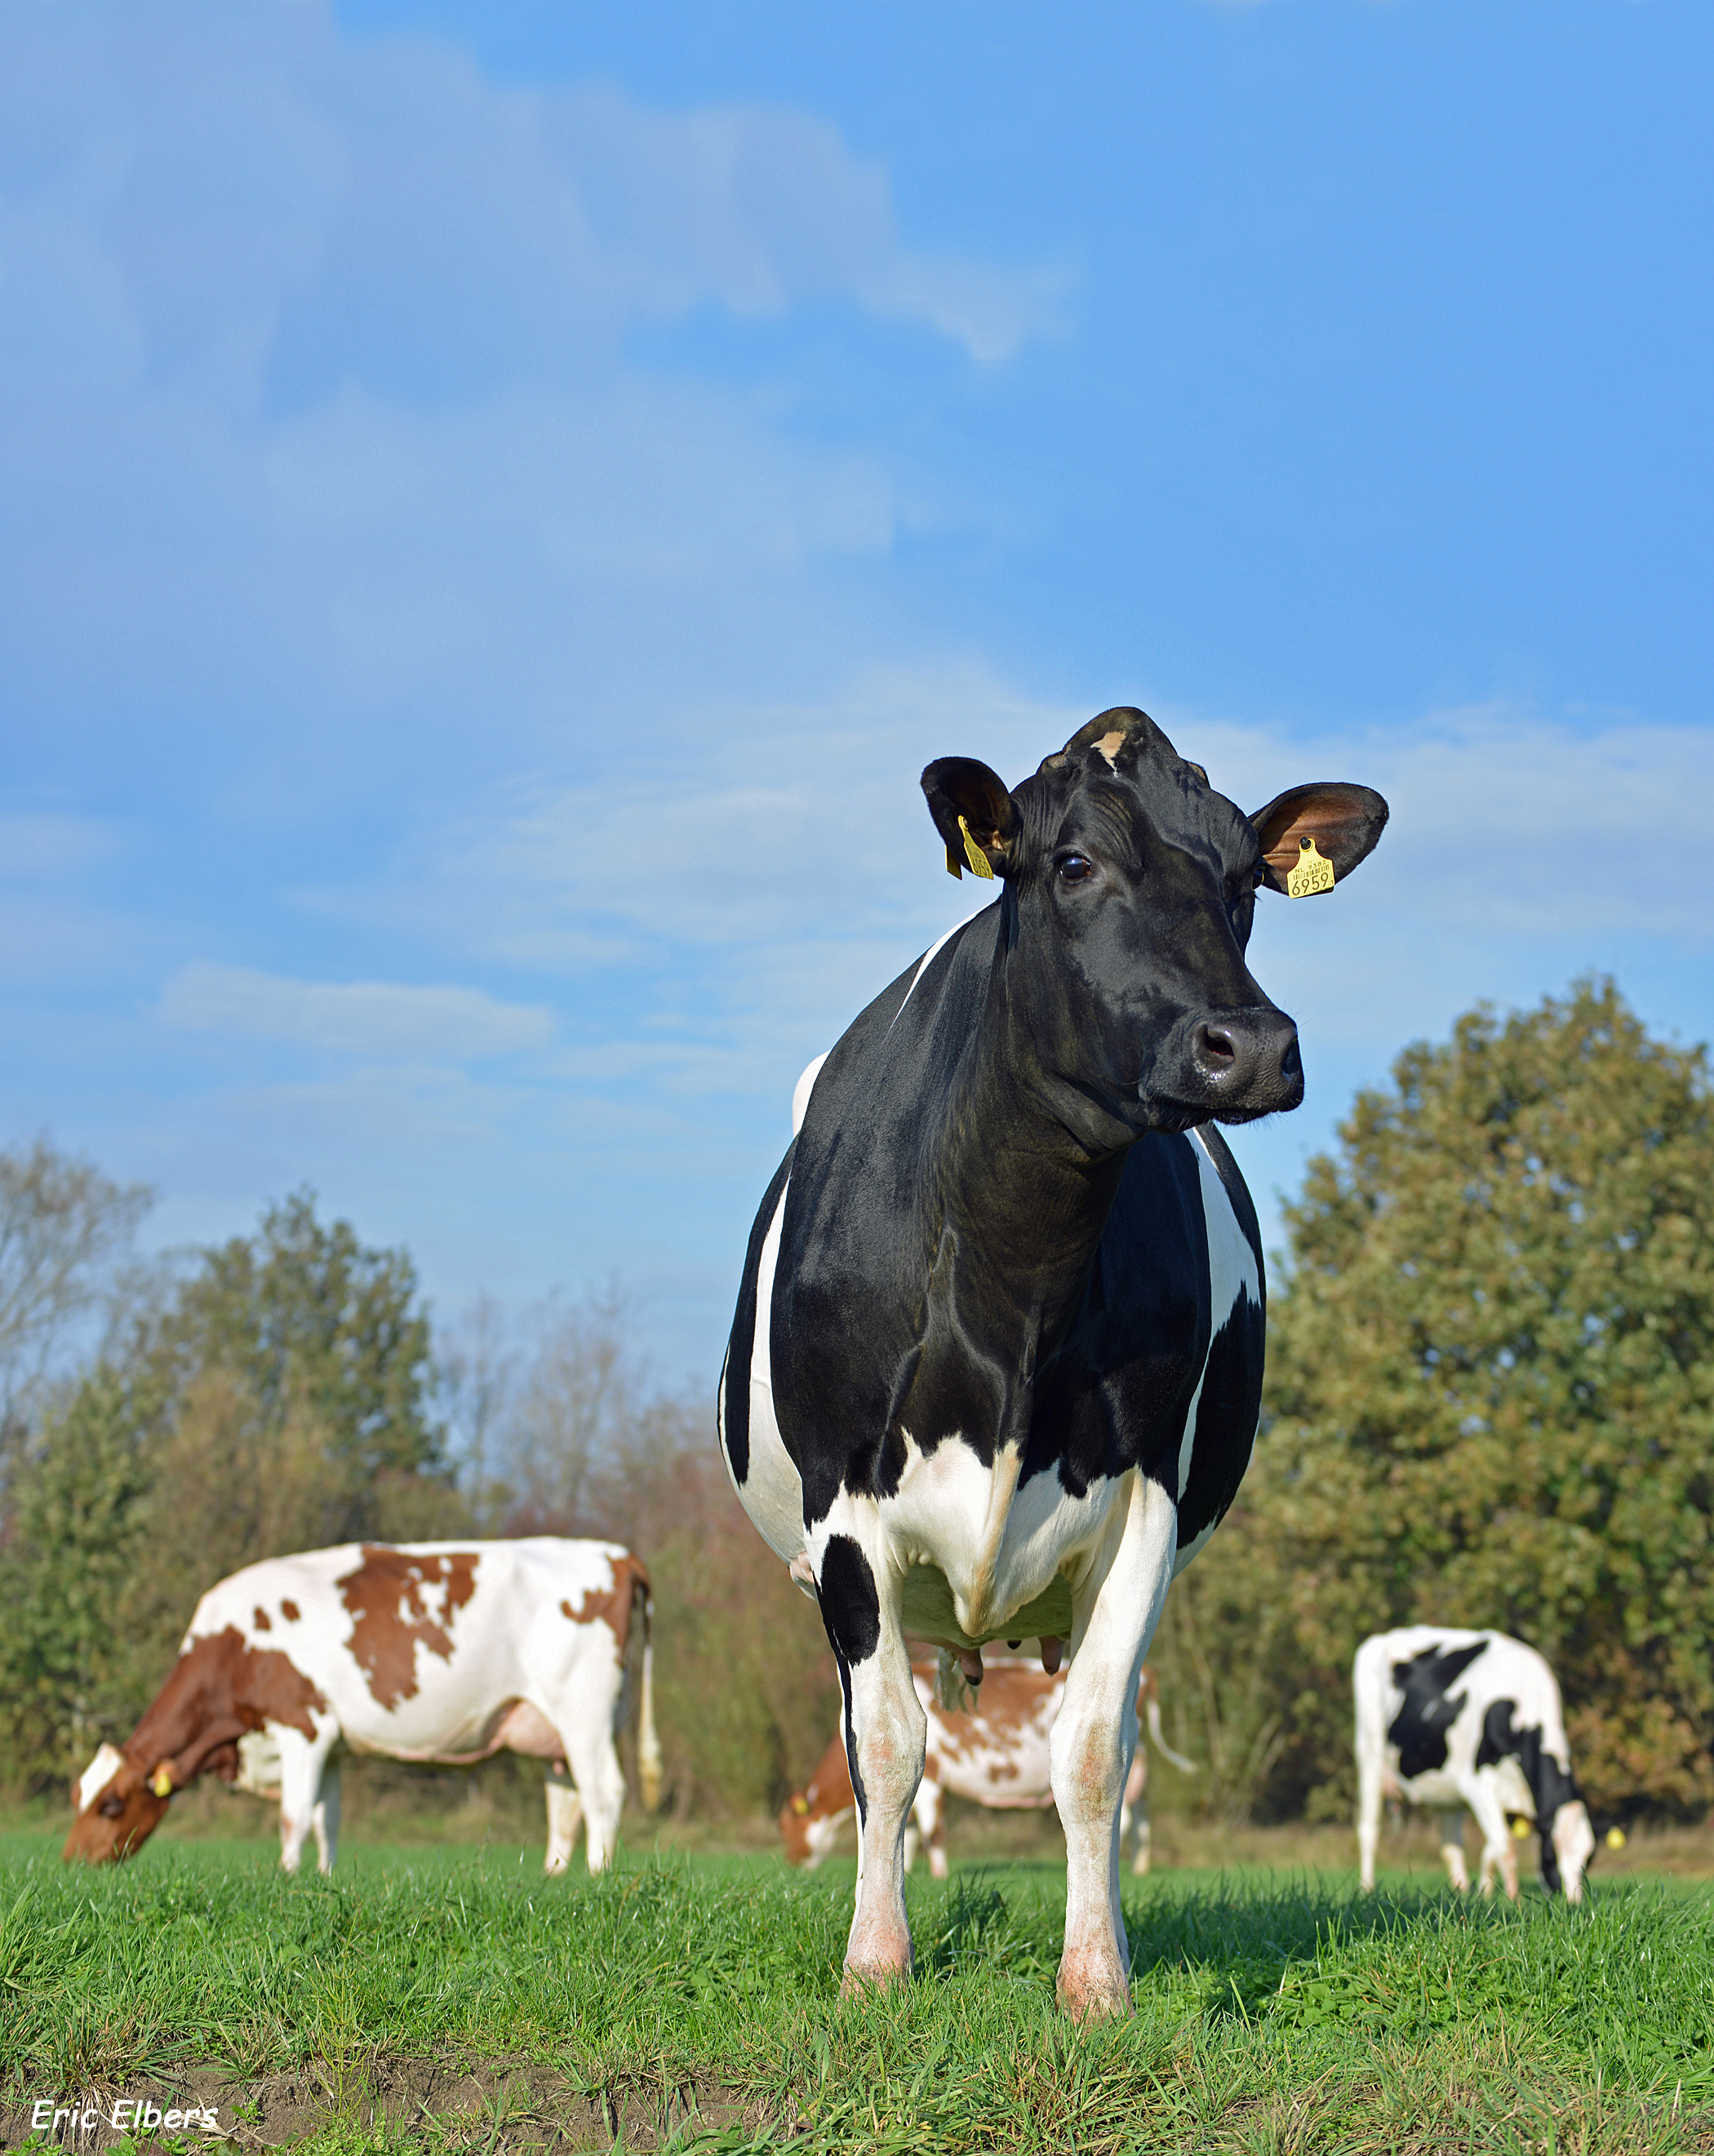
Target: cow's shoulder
column 871, row 1108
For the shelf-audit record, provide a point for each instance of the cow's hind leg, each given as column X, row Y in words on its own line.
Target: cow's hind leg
column 565, row 1813
column 1115, row 1610
column 886, row 1734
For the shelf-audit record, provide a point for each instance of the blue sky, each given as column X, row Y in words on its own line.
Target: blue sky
column 498, row 503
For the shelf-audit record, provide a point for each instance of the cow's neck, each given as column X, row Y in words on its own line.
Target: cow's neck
column 192, row 1713
column 1026, row 1195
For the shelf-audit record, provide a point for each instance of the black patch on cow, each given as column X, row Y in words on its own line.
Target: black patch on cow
column 1419, row 1727
column 735, row 1372
column 1231, row 1395
column 1549, row 1783
column 1115, row 1393
column 856, row 1772
column 850, row 1607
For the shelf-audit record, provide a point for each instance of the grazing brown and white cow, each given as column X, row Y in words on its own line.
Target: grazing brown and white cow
column 439, row 1653
column 1449, row 1718
column 995, row 1753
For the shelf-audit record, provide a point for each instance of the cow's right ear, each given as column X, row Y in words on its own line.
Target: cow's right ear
column 975, row 815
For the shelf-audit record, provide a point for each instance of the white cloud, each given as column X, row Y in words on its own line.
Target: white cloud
column 314, row 349
column 384, row 1020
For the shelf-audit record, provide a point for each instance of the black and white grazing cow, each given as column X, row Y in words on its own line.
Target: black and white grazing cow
column 997, row 1354
column 1449, row 1718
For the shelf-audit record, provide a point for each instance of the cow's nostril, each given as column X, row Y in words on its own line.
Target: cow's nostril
column 1218, row 1045
column 1291, row 1062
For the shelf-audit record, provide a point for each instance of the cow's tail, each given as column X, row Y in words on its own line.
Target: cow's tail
column 650, row 1771
column 1152, row 1710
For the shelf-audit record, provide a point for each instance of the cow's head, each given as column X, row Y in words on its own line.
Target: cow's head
column 118, row 1807
column 1566, row 1850
column 1130, row 890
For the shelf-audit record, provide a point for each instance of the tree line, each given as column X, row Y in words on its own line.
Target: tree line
column 1490, row 1402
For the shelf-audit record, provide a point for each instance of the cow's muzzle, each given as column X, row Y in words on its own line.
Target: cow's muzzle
column 1236, row 1065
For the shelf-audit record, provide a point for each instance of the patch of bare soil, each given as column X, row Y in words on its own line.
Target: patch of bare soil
column 500, row 2107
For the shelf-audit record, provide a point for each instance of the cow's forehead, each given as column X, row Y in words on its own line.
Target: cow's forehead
column 1138, row 780
column 95, row 1777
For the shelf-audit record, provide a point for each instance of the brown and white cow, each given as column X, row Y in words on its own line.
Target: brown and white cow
column 995, row 1753
column 439, row 1653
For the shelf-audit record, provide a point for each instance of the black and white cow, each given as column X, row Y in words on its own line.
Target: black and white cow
column 1449, row 1718
column 997, row 1354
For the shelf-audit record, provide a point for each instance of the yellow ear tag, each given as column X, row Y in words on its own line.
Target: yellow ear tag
column 800, row 1804
column 1313, row 873
column 1520, row 1829
column 162, row 1782
column 973, row 853
column 1615, row 1837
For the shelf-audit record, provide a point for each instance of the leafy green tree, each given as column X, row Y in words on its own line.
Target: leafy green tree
column 303, row 1313
column 1490, row 1400
column 64, row 1574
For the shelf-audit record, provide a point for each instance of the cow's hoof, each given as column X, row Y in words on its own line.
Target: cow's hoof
column 1088, row 1994
column 865, row 1976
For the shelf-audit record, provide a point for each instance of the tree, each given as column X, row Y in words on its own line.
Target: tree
column 1490, row 1397
column 64, row 1571
column 278, row 1401
column 63, row 1227
column 304, row 1319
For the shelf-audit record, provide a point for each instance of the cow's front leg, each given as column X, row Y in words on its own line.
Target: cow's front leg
column 1115, row 1609
column 302, row 1761
column 1452, row 1847
column 886, row 1734
column 1498, row 1850
column 929, row 1814
column 565, row 1814
column 1133, row 1811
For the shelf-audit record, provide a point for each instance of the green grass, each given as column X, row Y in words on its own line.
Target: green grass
column 1273, row 2012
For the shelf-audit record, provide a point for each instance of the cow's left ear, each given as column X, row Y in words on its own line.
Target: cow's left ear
column 1342, row 822
column 977, row 818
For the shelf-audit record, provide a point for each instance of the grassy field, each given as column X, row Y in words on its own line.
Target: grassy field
column 448, row 1999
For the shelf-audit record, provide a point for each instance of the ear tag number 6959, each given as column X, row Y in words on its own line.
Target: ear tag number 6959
column 1313, row 873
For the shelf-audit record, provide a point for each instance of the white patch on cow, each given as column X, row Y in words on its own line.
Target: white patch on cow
column 927, row 959
column 259, row 1763
column 804, row 1087
column 772, row 1494
column 940, row 1516
column 1109, row 746
column 95, row 1777
column 1232, row 1273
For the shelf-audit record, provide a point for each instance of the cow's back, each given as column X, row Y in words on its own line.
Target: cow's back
column 415, row 1647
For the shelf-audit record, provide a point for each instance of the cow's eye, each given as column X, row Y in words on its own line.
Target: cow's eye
column 111, row 1807
column 1074, row 868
